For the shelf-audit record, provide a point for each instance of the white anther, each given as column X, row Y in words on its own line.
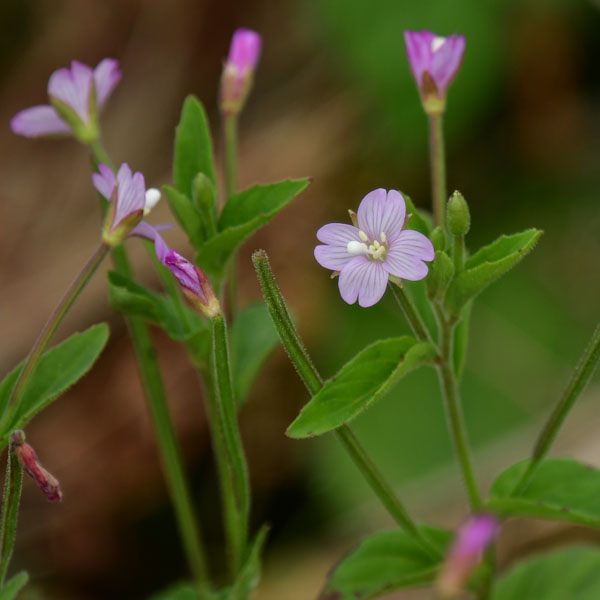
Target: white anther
column 437, row 42
column 363, row 236
column 383, row 237
column 355, row 247
column 376, row 244
column 152, row 199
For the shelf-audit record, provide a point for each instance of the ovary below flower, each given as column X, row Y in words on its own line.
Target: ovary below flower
column 366, row 255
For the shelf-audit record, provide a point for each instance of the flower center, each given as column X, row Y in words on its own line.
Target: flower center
column 436, row 43
column 374, row 250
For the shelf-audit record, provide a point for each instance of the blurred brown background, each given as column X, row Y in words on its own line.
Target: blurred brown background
column 333, row 98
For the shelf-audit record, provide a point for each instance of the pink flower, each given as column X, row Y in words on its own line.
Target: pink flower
column 76, row 94
column 434, row 61
column 239, row 68
column 367, row 255
column 471, row 541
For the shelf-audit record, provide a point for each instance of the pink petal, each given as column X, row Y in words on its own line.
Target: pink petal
column 332, row 257
column 406, row 254
column 131, row 194
column 106, row 76
column 381, row 212
column 73, row 88
column 418, row 50
column 104, row 181
column 185, row 272
column 149, row 232
column 446, row 61
column 38, row 121
column 338, row 234
column 363, row 279
column 244, row 51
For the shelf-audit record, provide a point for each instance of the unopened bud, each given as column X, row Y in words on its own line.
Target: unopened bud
column 239, row 68
column 438, row 239
column 470, row 543
column 32, row 466
column 440, row 274
column 194, row 284
column 458, row 216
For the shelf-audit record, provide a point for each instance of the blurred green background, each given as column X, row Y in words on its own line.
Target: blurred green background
column 333, row 98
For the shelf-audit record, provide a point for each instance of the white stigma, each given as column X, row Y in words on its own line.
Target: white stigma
column 152, row 199
column 355, row 247
column 437, row 42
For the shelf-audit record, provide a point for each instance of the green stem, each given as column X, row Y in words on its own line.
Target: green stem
column 579, row 379
column 164, row 431
column 51, row 326
column 228, row 444
column 451, row 395
column 312, row 380
column 412, row 316
column 437, row 160
column 10, row 510
column 170, row 452
column 230, row 142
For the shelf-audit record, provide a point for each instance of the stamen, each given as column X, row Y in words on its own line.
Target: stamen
column 437, row 42
column 383, row 237
column 355, row 247
column 363, row 236
column 376, row 244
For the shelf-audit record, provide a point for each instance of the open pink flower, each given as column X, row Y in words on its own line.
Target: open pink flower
column 367, row 255
column 434, row 60
column 71, row 89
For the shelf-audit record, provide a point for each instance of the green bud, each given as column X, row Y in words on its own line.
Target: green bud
column 204, row 198
column 438, row 238
column 458, row 217
column 440, row 274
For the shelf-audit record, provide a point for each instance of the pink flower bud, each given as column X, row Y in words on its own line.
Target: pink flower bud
column 194, row 284
column 434, row 62
column 471, row 541
column 239, row 68
column 32, row 466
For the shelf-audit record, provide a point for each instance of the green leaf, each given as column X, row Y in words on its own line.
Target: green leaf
column 179, row 322
column 249, row 574
column 461, row 340
column 360, row 382
column 177, row 591
column 193, row 147
column 243, row 214
column 13, row 586
column 187, row 215
column 253, row 338
column 560, row 490
column 418, row 221
column 56, row 372
column 487, row 264
column 385, row 562
column 572, row 574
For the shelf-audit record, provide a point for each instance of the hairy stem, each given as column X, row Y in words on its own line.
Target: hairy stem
column 312, row 380
column 10, row 510
column 412, row 316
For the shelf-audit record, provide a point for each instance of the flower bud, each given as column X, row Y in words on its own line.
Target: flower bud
column 194, row 284
column 470, row 543
column 238, row 72
column 440, row 274
column 204, row 197
column 458, row 217
column 438, row 238
column 434, row 62
column 32, row 466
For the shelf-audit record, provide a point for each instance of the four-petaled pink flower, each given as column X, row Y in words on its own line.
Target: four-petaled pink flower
column 472, row 540
column 239, row 68
column 194, row 283
column 434, row 61
column 367, row 255
column 76, row 95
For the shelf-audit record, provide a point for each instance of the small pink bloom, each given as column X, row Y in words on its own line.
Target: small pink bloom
column 72, row 88
column 367, row 255
column 32, row 466
column 239, row 68
column 434, row 60
column 471, row 541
